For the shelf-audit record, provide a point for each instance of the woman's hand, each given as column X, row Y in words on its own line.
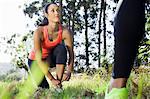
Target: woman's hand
column 55, row 82
column 66, row 76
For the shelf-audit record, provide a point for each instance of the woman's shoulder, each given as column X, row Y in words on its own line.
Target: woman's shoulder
column 39, row 32
column 39, row 29
column 66, row 32
column 66, row 29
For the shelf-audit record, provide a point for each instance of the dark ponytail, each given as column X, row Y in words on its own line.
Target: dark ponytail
column 45, row 20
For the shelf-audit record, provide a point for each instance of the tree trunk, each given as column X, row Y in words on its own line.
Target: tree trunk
column 104, row 27
column 104, row 36
column 73, row 17
column 69, row 25
column 60, row 7
column 99, row 34
column 86, row 34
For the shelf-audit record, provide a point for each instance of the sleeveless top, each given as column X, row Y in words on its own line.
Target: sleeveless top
column 46, row 44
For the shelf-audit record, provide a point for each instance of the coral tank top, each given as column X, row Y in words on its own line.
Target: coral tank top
column 47, row 45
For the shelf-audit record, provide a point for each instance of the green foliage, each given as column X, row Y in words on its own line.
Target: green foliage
column 148, row 24
column 81, row 86
column 18, row 46
column 144, row 50
column 139, row 83
column 30, row 85
column 9, row 90
column 140, row 88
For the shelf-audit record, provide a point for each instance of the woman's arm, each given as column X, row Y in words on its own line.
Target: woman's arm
column 38, row 50
column 67, row 36
column 38, row 54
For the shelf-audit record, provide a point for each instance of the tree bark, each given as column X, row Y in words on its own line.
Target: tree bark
column 60, row 7
column 86, row 34
column 73, row 17
column 99, row 33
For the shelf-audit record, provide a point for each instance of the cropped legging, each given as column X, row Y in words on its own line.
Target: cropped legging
column 129, row 26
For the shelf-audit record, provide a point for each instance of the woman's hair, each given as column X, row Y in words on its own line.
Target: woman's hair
column 45, row 20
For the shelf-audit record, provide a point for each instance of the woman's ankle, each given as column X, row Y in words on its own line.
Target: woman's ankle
column 117, row 83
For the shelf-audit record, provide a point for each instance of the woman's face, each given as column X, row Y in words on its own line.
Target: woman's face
column 53, row 13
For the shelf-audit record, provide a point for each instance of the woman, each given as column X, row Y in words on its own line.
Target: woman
column 128, row 31
column 49, row 48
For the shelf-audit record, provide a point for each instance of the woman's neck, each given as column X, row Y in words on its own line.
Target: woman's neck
column 53, row 27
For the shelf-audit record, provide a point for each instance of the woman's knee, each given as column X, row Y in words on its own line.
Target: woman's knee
column 61, row 49
column 60, row 53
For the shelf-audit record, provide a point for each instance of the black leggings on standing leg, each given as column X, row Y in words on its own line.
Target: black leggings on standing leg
column 129, row 25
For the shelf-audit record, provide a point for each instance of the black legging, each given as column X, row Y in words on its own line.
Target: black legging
column 129, row 26
column 58, row 56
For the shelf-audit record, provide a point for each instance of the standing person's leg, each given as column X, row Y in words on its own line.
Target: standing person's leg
column 128, row 30
column 60, row 59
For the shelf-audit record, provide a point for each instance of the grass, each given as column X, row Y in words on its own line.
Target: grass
column 82, row 86
column 140, row 83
